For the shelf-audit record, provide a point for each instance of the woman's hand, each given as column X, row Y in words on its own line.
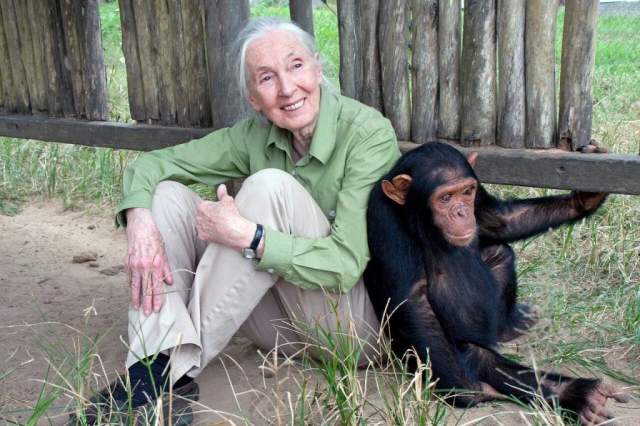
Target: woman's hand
column 220, row 222
column 146, row 263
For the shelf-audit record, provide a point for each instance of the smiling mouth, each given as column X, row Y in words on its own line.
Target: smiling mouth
column 293, row 107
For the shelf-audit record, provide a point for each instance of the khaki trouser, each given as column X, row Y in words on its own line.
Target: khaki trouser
column 216, row 291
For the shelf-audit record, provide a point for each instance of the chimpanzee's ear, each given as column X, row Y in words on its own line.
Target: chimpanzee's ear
column 472, row 158
column 397, row 189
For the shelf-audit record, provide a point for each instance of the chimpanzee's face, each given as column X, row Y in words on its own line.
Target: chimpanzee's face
column 452, row 206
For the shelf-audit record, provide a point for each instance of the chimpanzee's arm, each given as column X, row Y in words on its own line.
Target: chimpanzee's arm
column 506, row 221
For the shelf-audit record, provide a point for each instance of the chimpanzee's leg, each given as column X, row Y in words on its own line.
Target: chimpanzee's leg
column 584, row 399
column 515, row 318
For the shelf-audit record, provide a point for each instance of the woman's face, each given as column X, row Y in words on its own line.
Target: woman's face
column 284, row 81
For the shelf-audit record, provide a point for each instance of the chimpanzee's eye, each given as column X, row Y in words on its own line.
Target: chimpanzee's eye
column 469, row 190
column 445, row 198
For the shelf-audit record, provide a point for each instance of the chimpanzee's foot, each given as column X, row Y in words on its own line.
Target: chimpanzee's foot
column 523, row 317
column 586, row 400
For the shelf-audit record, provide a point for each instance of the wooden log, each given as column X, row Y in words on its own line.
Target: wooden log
column 196, row 77
column 424, row 70
column 578, row 60
column 350, row 64
column 394, row 66
column 73, row 58
column 60, row 94
column 478, row 73
column 38, row 28
column 547, row 168
column 223, row 20
column 301, row 12
column 511, row 80
column 20, row 86
column 540, row 35
column 179, row 64
column 132, row 61
column 147, row 54
column 93, row 68
column 36, row 97
column 449, row 69
column 8, row 93
column 371, row 92
column 554, row 168
column 163, row 35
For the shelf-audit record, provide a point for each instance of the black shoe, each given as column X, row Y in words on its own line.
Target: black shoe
column 106, row 408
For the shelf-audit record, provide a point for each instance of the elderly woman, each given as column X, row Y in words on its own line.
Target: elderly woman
column 293, row 238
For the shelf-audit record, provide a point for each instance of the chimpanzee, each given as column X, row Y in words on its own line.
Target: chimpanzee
column 441, row 267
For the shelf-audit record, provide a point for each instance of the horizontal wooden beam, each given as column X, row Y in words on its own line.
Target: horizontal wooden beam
column 554, row 168
column 106, row 134
column 548, row 169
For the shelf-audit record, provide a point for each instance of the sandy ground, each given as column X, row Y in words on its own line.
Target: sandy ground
column 48, row 303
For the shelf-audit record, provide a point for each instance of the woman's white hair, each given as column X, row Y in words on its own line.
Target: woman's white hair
column 258, row 28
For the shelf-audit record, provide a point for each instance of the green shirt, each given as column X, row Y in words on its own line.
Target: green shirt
column 352, row 147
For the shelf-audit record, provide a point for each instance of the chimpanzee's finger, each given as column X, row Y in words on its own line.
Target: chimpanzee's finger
column 611, row 391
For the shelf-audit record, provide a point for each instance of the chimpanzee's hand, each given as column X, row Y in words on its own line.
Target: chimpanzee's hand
column 593, row 147
column 589, row 201
column 146, row 262
column 220, row 222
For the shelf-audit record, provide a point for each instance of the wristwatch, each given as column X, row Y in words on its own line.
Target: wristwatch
column 250, row 252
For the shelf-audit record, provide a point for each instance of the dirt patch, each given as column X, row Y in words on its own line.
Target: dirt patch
column 49, row 303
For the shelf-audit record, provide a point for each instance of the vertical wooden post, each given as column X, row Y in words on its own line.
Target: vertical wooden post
column 73, row 54
column 8, row 92
column 197, row 91
column 578, row 60
column 60, row 92
column 147, row 53
column 21, row 90
column 350, row 70
column 36, row 97
column 479, row 73
column 371, row 93
column 301, row 12
column 164, row 38
column 38, row 28
column 224, row 19
column 449, row 69
column 394, row 66
column 511, row 80
column 93, row 62
column 424, row 69
column 132, row 61
column 540, row 39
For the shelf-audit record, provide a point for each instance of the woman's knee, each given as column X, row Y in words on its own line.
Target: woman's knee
column 265, row 186
column 170, row 194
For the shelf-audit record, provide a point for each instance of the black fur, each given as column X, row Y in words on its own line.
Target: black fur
column 450, row 304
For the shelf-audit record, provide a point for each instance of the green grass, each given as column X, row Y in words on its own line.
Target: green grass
column 584, row 277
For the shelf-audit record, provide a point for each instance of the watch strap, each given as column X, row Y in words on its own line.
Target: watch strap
column 257, row 237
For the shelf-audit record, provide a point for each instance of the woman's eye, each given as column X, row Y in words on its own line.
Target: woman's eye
column 265, row 78
column 297, row 65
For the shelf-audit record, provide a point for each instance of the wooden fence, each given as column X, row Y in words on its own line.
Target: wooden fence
column 51, row 59
column 496, row 84
column 486, row 79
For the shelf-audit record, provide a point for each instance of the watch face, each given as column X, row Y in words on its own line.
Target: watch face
column 248, row 253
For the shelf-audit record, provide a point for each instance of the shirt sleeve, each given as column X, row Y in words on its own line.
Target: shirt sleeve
column 336, row 262
column 215, row 158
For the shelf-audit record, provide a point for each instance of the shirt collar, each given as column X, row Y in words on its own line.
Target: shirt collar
column 324, row 135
